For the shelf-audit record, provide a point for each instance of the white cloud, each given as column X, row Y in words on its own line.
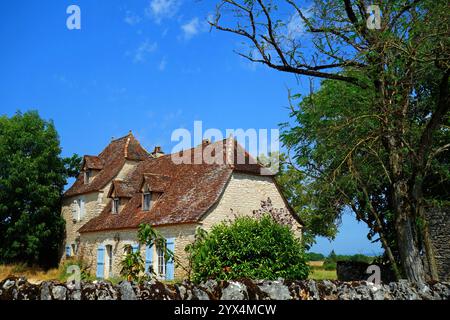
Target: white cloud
column 193, row 28
column 162, row 9
column 296, row 27
column 143, row 50
column 132, row 18
column 162, row 64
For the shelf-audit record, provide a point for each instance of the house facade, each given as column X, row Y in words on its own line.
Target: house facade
column 125, row 186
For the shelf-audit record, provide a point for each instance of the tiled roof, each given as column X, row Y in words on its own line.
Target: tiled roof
column 112, row 158
column 92, row 162
column 156, row 182
column 188, row 190
column 121, row 189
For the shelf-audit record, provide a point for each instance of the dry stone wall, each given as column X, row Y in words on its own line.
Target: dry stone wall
column 20, row 289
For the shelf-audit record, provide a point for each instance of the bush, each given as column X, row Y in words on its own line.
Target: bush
column 248, row 248
column 329, row 265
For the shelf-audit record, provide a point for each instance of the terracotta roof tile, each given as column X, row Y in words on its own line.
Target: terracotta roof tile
column 121, row 189
column 188, row 190
column 92, row 162
column 113, row 158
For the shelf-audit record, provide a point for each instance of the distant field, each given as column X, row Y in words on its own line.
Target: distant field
column 316, row 263
column 319, row 273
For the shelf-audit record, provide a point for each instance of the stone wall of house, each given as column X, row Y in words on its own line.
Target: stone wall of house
column 93, row 204
column 20, row 289
column 439, row 226
column 183, row 234
column 242, row 195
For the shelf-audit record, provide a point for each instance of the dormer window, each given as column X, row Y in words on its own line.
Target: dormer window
column 115, row 205
column 87, row 176
column 146, row 201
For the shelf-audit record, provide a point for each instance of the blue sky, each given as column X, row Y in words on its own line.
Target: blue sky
column 150, row 66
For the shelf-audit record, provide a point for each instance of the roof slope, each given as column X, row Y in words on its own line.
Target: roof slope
column 189, row 190
column 109, row 162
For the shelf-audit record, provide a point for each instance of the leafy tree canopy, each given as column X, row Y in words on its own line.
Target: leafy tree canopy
column 32, row 179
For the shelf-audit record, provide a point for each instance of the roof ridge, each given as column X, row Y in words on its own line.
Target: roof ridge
column 129, row 134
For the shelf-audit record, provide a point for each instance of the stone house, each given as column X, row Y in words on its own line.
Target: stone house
column 125, row 186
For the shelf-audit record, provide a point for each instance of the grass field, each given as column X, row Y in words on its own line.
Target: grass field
column 319, row 273
column 33, row 274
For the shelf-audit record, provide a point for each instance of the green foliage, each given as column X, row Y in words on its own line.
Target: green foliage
column 32, row 178
column 248, row 248
column 313, row 256
column 73, row 165
column 133, row 266
column 333, row 258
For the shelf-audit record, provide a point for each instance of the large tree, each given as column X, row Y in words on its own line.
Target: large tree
column 401, row 67
column 32, row 179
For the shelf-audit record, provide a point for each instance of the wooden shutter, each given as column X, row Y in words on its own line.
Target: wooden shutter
column 148, row 259
column 170, row 266
column 101, row 262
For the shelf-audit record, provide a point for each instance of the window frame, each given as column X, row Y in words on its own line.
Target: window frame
column 87, row 176
column 161, row 261
column 115, row 205
column 146, row 206
column 109, row 256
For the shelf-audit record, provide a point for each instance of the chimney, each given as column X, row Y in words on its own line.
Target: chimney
column 157, row 152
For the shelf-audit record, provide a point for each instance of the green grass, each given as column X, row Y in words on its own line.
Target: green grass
column 321, row 274
column 318, row 272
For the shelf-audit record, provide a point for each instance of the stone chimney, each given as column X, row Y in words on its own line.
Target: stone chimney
column 157, row 152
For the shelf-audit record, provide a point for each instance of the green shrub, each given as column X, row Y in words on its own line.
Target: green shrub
column 248, row 248
column 329, row 265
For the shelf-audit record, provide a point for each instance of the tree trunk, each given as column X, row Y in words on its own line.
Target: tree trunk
column 412, row 262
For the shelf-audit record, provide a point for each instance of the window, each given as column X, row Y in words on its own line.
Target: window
column 109, row 260
column 87, row 176
column 146, row 201
column 115, row 205
column 161, row 261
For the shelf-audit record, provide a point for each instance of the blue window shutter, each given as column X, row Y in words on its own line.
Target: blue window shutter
column 170, row 267
column 148, row 258
column 101, row 262
column 135, row 247
column 67, row 251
